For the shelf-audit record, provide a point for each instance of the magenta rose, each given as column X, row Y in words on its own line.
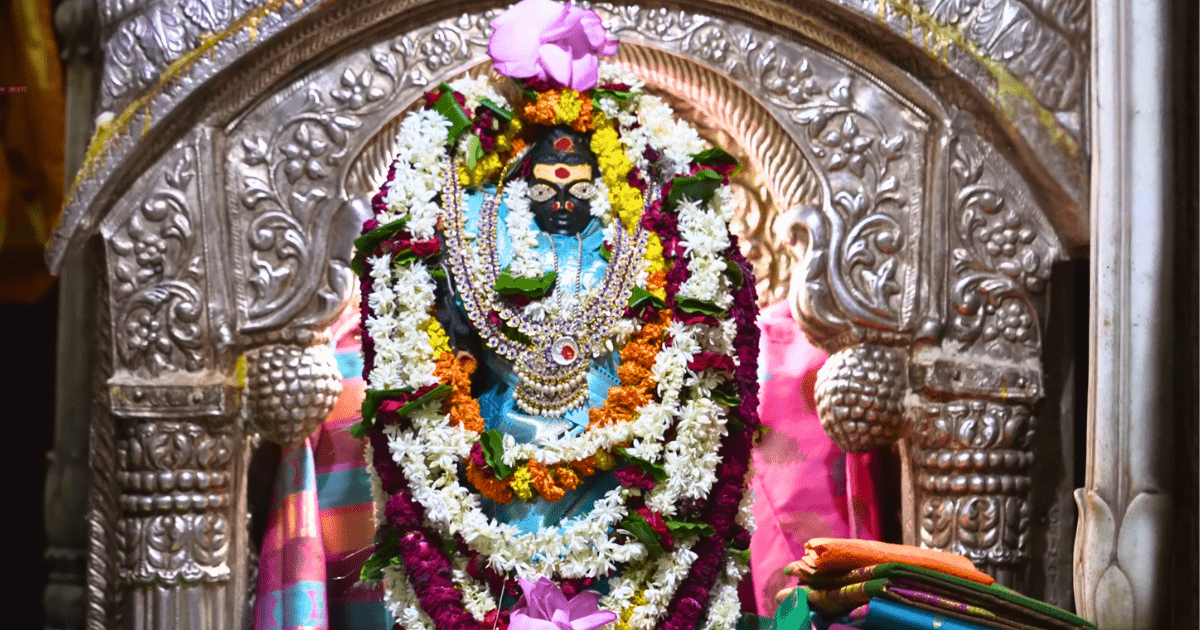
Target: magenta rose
column 554, row 42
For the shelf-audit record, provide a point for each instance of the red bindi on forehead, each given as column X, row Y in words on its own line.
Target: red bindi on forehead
column 562, row 172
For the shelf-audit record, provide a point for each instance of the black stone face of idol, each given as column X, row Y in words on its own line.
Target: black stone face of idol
column 564, row 212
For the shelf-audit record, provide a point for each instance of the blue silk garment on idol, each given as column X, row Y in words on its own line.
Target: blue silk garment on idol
column 579, row 265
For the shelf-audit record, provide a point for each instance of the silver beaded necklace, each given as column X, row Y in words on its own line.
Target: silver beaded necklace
column 550, row 357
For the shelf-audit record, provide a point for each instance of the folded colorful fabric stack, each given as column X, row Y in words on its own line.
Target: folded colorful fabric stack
column 880, row 586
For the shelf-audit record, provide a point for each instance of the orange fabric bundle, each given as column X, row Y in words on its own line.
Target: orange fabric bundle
column 829, row 555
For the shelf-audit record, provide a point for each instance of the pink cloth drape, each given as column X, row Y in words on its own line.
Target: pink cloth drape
column 804, row 486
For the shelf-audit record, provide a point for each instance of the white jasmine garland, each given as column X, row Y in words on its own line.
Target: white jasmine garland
column 429, row 451
column 402, row 600
column 519, row 225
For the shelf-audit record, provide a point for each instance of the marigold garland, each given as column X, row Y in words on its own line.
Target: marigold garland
column 543, row 481
column 637, row 360
column 621, row 405
column 667, row 267
column 521, row 482
column 561, row 107
column 488, row 485
column 460, row 405
column 615, row 167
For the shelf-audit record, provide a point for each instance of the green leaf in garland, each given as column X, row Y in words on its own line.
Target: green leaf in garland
column 373, row 398
column 474, row 150
column 681, row 528
column 726, row 398
column 640, row 296
column 637, row 525
column 699, row 187
column 496, row 109
column 450, row 545
column 403, row 257
column 492, row 442
column 606, row 253
column 449, row 107
column 744, row 554
column 433, row 395
column 387, row 552
column 438, row 273
column 619, row 96
column 704, row 307
column 654, row 470
column 365, row 245
column 734, row 271
column 360, row 430
column 508, row 284
column 717, row 156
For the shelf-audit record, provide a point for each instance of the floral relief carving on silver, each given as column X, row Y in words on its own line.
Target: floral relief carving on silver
column 297, row 219
column 175, row 501
column 1042, row 43
column 1001, row 255
column 972, row 461
column 143, row 38
column 865, row 144
column 156, row 274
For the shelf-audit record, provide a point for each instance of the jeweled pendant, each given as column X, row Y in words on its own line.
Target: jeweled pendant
column 564, row 351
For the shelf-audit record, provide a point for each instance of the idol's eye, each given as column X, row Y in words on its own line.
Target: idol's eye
column 541, row 192
column 583, row 190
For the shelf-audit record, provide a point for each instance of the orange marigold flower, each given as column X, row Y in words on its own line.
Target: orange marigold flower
column 586, row 467
column 656, row 281
column 567, row 478
column 583, row 123
column 543, row 111
column 488, row 486
column 463, row 408
column 543, row 482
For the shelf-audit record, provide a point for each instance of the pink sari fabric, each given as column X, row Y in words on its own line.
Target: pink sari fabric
column 804, row 486
column 322, row 524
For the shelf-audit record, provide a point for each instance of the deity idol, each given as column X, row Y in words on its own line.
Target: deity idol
column 560, row 346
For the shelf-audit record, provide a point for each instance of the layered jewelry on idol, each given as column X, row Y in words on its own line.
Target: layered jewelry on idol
column 551, row 356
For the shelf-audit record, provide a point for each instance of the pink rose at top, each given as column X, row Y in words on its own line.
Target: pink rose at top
column 543, row 606
column 554, row 42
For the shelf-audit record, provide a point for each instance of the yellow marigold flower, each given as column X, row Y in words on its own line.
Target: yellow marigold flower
column 638, row 599
column 485, row 170
column 600, row 120
column 604, row 460
column 568, row 107
column 438, row 339
column 654, row 254
column 503, row 143
column 521, row 483
column 629, row 206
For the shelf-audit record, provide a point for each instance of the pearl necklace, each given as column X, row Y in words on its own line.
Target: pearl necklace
column 552, row 366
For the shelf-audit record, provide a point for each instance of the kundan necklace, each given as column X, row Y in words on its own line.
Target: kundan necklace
column 551, row 355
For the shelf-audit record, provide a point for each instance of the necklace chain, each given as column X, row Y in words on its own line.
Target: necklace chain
column 552, row 360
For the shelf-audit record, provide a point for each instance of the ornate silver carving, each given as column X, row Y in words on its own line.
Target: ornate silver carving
column 859, row 394
column 173, row 401
column 972, row 459
column 1000, row 260
column 990, row 61
column 157, row 270
column 290, row 390
column 282, row 241
column 175, row 482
